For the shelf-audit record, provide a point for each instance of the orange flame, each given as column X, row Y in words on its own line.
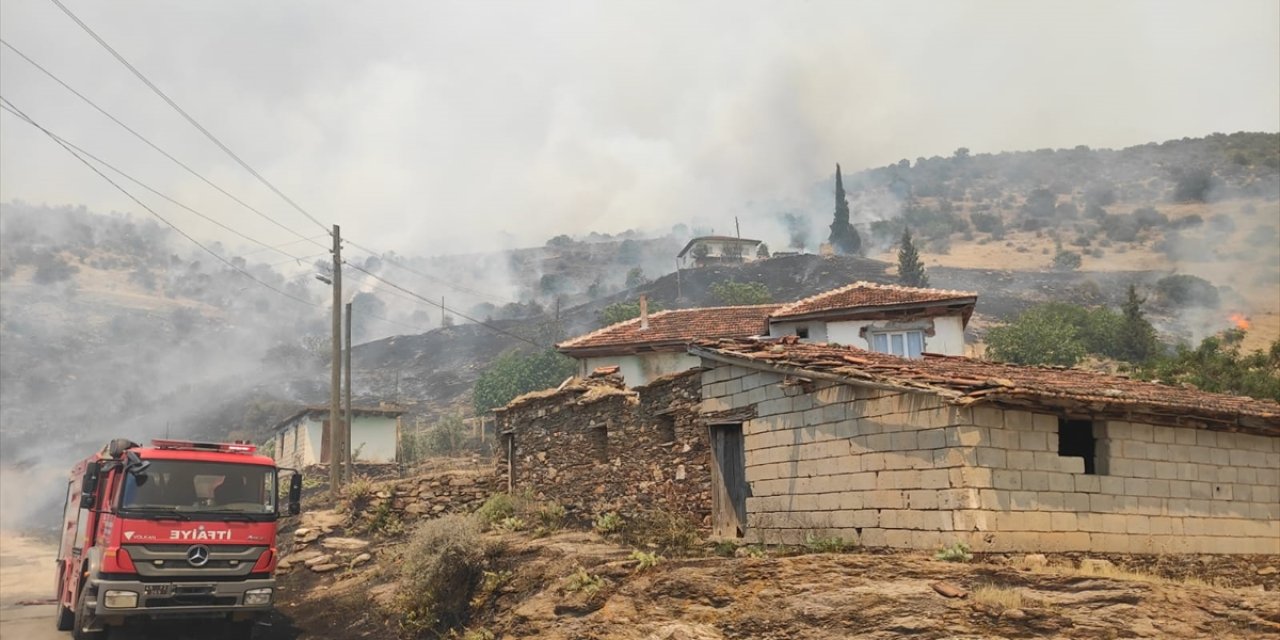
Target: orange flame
column 1241, row 322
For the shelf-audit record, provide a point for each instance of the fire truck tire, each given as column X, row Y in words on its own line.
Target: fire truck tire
column 66, row 618
column 81, row 618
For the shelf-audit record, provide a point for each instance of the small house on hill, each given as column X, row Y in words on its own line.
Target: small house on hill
column 705, row 250
column 810, row 439
column 654, row 345
column 303, row 438
column 903, row 321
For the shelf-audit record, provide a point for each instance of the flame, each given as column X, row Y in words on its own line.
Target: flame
column 1241, row 322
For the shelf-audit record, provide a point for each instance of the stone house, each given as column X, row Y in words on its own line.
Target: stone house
column 903, row 321
column 302, row 439
column 705, row 250
column 828, row 440
column 656, row 345
column 595, row 446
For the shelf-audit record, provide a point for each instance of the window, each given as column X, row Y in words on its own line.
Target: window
column 905, row 344
column 1075, row 439
column 802, row 333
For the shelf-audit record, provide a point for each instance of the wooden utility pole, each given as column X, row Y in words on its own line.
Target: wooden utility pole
column 737, row 227
column 350, row 470
column 335, row 397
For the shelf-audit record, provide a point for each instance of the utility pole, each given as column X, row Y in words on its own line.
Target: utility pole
column 679, row 294
column 335, row 391
column 736, row 227
column 349, row 471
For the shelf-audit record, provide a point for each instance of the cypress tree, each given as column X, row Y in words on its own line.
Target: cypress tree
column 844, row 238
column 910, row 269
column 1136, row 339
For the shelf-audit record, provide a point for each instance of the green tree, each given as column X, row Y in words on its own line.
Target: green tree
column 1135, row 339
column 635, row 277
column 623, row 311
column 910, row 268
column 844, row 238
column 1218, row 366
column 515, row 373
column 1038, row 336
column 741, row 293
column 762, row 251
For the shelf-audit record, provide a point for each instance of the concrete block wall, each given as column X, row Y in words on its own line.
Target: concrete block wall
column 885, row 468
column 1157, row 489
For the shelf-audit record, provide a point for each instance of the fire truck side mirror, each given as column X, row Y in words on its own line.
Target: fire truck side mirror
column 295, row 494
column 89, row 488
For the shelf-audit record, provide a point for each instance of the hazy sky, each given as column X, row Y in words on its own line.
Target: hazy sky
column 433, row 126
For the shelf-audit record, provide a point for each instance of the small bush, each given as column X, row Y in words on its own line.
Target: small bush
column 833, row 544
column 958, row 552
column 998, row 597
column 1187, row 290
column 511, row 523
column 1066, row 261
column 645, row 560
column 607, row 523
column 498, row 507
column 550, row 517
column 726, row 548
column 664, row 531
column 442, row 565
column 581, row 581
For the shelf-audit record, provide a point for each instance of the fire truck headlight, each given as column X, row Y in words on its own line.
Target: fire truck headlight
column 114, row 599
column 257, row 597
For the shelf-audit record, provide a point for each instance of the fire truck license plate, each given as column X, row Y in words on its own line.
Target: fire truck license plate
column 158, row 589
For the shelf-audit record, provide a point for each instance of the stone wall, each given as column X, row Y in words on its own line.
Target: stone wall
column 596, row 447
column 1157, row 489
column 903, row 469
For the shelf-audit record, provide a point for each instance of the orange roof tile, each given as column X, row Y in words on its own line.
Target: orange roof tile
column 860, row 295
column 965, row 381
column 676, row 327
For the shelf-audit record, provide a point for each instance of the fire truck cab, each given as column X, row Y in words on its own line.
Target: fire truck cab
column 178, row 529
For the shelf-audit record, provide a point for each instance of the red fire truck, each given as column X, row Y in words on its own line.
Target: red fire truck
column 175, row 530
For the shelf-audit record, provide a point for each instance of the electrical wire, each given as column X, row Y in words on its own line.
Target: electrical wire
column 153, row 145
column 443, row 281
column 186, row 115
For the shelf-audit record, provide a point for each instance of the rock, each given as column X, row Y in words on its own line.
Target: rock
column 301, row 532
column 344, row 544
column 1095, row 565
column 1267, row 571
column 680, row 472
column 383, row 495
column 310, row 536
column 416, row 509
column 324, row 568
column 685, row 631
column 302, row 556
column 1035, row 560
column 1013, row 614
column 361, row 559
column 437, row 508
column 949, row 590
column 284, row 566
column 318, row 560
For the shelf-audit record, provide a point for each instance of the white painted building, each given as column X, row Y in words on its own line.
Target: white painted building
column 902, row 321
column 303, row 438
column 705, row 250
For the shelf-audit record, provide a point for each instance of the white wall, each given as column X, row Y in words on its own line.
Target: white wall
column 947, row 339
column 641, row 369
column 373, row 436
column 375, row 439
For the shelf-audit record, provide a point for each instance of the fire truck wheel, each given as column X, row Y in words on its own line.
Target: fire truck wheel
column 66, row 618
column 82, row 618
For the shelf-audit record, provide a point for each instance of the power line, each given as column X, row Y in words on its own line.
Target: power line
column 184, row 114
column 134, row 180
column 18, row 112
column 443, row 308
column 455, row 287
column 153, row 145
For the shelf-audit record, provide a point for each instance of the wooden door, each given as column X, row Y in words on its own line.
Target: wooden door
column 728, row 481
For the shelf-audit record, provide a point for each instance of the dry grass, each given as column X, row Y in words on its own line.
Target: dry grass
column 999, row 597
column 1112, row 572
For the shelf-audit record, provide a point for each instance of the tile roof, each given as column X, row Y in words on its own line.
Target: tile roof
column 965, row 381
column 869, row 294
column 677, row 327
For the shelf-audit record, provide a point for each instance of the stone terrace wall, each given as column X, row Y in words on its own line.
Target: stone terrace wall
column 880, row 467
column 1158, row 489
column 621, row 451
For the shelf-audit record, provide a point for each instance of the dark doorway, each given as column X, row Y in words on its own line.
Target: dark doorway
column 729, row 481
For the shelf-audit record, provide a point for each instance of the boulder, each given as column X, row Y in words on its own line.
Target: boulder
column 319, row 560
column 344, row 544
column 324, row 568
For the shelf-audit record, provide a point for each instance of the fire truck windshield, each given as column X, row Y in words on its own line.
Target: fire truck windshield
column 179, row 486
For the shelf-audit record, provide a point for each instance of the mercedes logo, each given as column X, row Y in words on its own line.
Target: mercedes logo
column 198, row 555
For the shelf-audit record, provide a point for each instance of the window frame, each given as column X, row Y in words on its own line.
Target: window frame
column 887, row 335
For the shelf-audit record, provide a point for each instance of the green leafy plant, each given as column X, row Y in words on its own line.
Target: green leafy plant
column 516, row 373
column 825, row 544
column 550, row 516
column 741, row 293
column 958, row 552
column 607, row 523
column 645, row 561
column 511, row 523
column 581, row 581
column 496, row 508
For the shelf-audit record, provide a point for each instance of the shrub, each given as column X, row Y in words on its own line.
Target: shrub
column 511, row 523
column 825, row 544
column 1037, row 336
column 1187, row 290
column 666, row 532
column 607, row 523
column 550, row 517
column 623, row 311
column 496, row 508
column 515, row 373
column 958, row 552
column 741, row 293
column 442, row 566
column 581, row 581
column 644, row 560
column 1147, row 217
column 1066, row 261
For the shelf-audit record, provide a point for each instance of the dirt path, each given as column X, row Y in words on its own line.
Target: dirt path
column 26, row 575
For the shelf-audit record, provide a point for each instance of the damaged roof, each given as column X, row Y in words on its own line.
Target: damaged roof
column 867, row 296
column 742, row 241
column 965, row 381
column 674, row 329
